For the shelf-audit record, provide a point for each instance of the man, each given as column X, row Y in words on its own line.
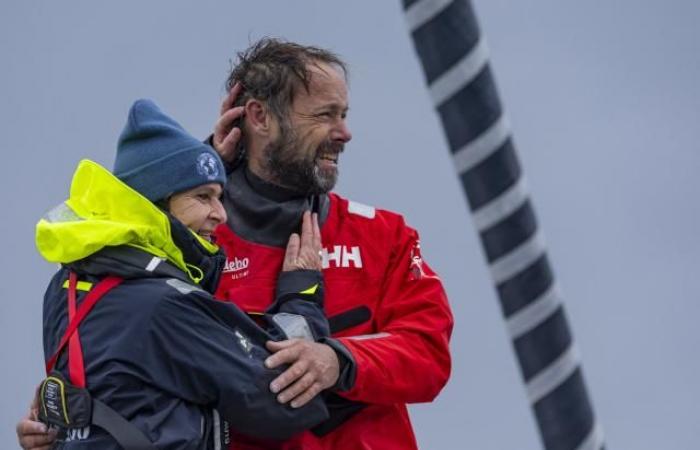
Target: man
column 387, row 308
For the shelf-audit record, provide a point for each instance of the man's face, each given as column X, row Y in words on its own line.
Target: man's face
column 304, row 154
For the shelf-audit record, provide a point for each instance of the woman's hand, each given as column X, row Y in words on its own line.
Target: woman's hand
column 304, row 252
column 226, row 134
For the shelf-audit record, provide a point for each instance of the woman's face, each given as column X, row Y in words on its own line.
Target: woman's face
column 200, row 208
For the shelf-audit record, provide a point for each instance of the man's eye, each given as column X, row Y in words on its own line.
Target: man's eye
column 203, row 197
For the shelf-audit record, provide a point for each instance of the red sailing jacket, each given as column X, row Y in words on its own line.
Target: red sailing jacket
column 372, row 259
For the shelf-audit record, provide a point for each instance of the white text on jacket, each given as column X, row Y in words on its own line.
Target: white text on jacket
column 341, row 256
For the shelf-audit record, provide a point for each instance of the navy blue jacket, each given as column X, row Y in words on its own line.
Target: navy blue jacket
column 174, row 361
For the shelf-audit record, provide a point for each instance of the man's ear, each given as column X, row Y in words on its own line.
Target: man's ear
column 257, row 117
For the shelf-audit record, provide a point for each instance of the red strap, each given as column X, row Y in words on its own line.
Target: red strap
column 76, row 369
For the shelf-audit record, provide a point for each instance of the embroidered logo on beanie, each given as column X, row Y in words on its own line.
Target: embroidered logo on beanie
column 207, row 166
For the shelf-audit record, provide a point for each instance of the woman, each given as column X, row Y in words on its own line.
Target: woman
column 156, row 347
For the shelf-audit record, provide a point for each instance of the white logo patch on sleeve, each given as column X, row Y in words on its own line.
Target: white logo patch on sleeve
column 361, row 210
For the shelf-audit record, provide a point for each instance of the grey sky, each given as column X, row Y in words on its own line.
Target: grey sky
column 603, row 97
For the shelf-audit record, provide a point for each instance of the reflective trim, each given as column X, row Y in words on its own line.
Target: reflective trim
column 81, row 286
column 310, row 291
column 294, row 326
column 62, row 213
column 153, row 263
column 217, row 429
column 363, row 337
column 423, row 11
column 460, row 74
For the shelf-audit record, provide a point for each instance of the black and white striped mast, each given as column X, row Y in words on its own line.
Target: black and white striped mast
column 455, row 62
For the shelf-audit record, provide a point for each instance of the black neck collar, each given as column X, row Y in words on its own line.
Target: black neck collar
column 269, row 190
column 265, row 213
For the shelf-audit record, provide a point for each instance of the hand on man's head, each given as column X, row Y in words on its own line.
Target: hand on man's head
column 226, row 132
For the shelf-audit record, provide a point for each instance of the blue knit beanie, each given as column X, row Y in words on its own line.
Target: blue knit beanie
column 158, row 158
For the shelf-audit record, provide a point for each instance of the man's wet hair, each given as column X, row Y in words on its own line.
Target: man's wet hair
column 272, row 70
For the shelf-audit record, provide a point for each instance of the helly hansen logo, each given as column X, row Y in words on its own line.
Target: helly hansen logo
column 341, row 256
column 236, row 265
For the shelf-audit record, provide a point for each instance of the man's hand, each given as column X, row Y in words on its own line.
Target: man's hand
column 313, row 368
column 34, row 435
column 226, row 135
column 304, row 252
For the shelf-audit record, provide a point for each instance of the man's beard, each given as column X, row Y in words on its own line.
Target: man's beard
column 289, row 166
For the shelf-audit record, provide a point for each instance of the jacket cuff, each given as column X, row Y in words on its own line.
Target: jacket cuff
column 306, row 284
column 347, row 367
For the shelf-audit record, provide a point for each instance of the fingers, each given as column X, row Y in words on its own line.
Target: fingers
column 314, row 367
column 306, row 230
column 303, row 252
column 301, row 392
column 226, row 134
column 34, row 435
column 291, row 253
column 306, row 396
column 286, row 352
column 275, row 346
column 309, row 256
column 28, row 426
column 301, row 385
column 289, row 376
column 230, row 99
column 34, row 405
column 316, row 233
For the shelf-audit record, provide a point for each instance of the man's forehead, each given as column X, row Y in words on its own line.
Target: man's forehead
column 326, row 70
column 327, row 85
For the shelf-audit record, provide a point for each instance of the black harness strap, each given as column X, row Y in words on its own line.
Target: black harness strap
column 123, row 431
column 349, row 318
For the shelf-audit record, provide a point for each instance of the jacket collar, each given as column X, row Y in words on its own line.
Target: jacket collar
column 265, row 213
column 102, row 212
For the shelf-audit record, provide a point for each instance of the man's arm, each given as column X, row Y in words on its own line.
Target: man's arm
column 407, row 360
